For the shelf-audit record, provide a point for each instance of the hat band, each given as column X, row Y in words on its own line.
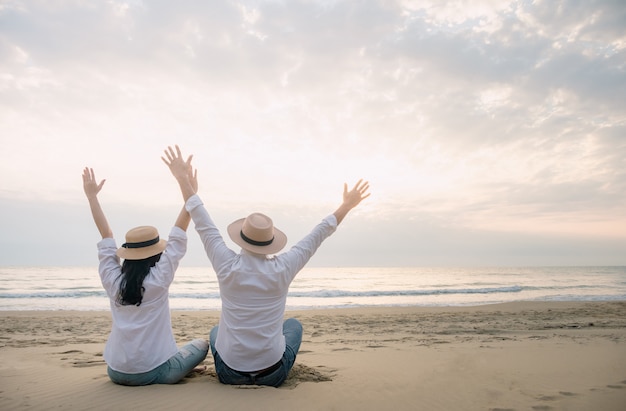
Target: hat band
column 254, row 242
column 141, row 244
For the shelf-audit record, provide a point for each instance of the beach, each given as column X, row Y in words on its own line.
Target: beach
column 511, row 356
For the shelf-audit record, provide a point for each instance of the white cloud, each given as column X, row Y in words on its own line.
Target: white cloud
column 480, row 113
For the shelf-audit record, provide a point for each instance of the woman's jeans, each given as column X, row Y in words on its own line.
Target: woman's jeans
column 171, row 371
column 292, row 330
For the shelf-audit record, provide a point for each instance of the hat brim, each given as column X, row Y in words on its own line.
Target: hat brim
column 141, row 253
column 279, row 242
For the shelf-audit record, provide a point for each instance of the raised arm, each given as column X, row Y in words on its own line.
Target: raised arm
column 352, row 198
column 182, row 171
column 92, row 188
column 184, row 218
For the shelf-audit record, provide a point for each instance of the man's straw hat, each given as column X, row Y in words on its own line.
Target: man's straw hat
column 256, row 233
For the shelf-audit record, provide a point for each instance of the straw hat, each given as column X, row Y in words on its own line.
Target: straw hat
column 256, row 233
column 141, row 243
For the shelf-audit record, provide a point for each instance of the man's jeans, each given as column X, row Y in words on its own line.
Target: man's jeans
column 171, row 371
column 292, row 330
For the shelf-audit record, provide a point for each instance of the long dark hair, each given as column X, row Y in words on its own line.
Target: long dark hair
column 131, row 284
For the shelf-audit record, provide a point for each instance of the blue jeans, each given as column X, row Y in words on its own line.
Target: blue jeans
column 292, row 330
column 171, row 371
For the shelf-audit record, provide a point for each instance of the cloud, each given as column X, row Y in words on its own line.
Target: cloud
column 493, row 115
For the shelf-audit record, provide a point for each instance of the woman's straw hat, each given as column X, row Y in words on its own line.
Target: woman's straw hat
column 256, row 233
column 141, row 243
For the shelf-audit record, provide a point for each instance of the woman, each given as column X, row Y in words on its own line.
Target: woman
column 141, row 348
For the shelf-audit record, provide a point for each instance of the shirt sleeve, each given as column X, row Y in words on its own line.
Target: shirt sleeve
column 298, row 255
column 109, row 267
column 175, row 250
column 217, row 251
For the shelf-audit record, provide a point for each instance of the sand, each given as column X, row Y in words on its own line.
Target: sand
column 514, row 356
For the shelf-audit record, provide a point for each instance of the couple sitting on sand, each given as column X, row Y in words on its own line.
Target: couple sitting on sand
column 251, row 344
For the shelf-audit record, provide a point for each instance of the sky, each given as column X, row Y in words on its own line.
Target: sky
column 493, row 133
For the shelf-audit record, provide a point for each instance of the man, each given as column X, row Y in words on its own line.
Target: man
column 252, row 344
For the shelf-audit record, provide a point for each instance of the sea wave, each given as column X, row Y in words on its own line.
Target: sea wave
column 400, row 293
column 293, row 294
column 55, row 294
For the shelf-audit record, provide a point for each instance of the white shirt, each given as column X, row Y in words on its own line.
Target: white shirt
column 253, row 290
column 141, row 337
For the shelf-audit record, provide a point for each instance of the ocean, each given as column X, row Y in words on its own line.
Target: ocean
column 195, row 288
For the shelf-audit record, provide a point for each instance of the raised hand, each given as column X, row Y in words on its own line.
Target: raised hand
column 91, row 187
column 353, row 197
column 180, row 168
column 193, row 178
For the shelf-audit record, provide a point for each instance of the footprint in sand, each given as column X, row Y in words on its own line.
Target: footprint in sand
column 83, row 364
column 80, row 359
column 301, row 373
column 619, row 386
column 547, row 398
column 551, row 398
